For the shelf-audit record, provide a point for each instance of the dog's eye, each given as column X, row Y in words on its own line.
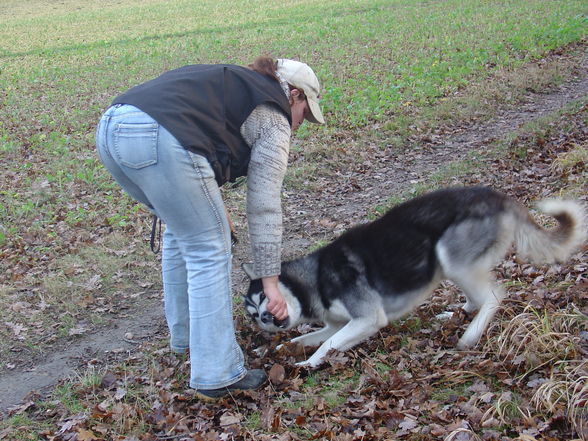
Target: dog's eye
column 258, row 298
column 252, row 311
column 254, row 300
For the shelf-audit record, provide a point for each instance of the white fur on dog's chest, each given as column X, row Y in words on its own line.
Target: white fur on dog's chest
column 337, row 312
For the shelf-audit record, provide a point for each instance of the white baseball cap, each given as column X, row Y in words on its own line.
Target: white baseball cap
column 301, row 76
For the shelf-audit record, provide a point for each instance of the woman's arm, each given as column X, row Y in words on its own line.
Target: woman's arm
column 268, row 132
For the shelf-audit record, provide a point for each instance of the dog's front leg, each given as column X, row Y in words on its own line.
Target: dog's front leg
column 355, row 331
column 317, row 337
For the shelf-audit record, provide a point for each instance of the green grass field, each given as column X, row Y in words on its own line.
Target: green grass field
column 383, row 64
column 62, row 63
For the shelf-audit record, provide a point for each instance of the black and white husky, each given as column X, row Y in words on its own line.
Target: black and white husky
column 377, row 272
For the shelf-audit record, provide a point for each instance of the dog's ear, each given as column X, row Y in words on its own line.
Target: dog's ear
column 248, row 268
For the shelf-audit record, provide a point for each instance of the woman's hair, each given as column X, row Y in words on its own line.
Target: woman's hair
column 268, row 66
column 265, row 66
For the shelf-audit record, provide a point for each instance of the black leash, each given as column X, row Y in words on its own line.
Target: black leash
column 153, row 229
column 156, row 232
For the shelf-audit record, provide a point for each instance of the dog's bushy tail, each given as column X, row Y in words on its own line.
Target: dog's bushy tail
column 549, row 245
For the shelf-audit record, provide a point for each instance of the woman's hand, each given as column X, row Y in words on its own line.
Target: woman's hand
column 277, row 304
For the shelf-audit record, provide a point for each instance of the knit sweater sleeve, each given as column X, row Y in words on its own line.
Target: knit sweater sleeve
column 268, row 132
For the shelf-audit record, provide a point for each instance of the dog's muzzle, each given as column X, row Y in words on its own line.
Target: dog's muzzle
column 267, row 317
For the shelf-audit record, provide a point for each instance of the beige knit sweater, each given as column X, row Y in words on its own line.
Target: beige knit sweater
column 267, row 132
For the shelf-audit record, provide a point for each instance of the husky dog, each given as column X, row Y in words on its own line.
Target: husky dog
column 377, row 272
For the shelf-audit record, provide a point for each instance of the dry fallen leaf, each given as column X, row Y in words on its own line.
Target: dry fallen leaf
column 86, row 435
column 277, row 374
column 408, row 423
column 120, row 393
column 108, row 380
column 228, row 419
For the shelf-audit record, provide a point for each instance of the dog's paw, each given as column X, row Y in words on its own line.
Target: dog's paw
column 467, row 342
column 261, row 351
column 312, row 363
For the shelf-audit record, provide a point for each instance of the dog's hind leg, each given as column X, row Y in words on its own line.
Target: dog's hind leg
column 482, row 292
column 467, row 253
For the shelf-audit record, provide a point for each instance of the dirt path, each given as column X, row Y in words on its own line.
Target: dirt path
column 116, row 341
column 370, row 183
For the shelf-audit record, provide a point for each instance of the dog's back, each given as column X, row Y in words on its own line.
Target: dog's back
column 395, row 254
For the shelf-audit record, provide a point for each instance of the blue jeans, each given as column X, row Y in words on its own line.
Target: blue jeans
column 179, row 187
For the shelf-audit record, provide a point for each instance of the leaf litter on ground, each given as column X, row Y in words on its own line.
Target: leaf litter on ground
column 407, row 383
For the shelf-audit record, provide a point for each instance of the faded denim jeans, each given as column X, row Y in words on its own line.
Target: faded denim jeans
column 179, row 187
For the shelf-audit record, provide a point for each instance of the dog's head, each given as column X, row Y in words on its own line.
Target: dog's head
column 256, row 304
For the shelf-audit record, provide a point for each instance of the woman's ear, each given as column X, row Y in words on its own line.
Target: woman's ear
column 296, row 94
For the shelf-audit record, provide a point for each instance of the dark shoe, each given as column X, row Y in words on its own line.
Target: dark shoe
column 253, row 380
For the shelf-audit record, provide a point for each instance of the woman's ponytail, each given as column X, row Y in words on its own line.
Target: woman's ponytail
column 265, row 66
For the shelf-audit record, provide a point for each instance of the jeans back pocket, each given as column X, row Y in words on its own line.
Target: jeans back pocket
column 135, row 144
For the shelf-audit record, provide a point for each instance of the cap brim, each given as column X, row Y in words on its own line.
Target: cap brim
column 315, row 116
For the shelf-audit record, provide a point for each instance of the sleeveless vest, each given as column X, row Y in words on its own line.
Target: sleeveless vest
column 204, row 106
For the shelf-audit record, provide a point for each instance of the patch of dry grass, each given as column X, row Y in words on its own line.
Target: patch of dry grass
column 462, row 433
column 572, row 166
column 577, row 156
column 534, row 338
column 567, row 388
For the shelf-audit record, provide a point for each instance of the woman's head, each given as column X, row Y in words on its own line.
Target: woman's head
column 301, row 77
column 304, row 87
